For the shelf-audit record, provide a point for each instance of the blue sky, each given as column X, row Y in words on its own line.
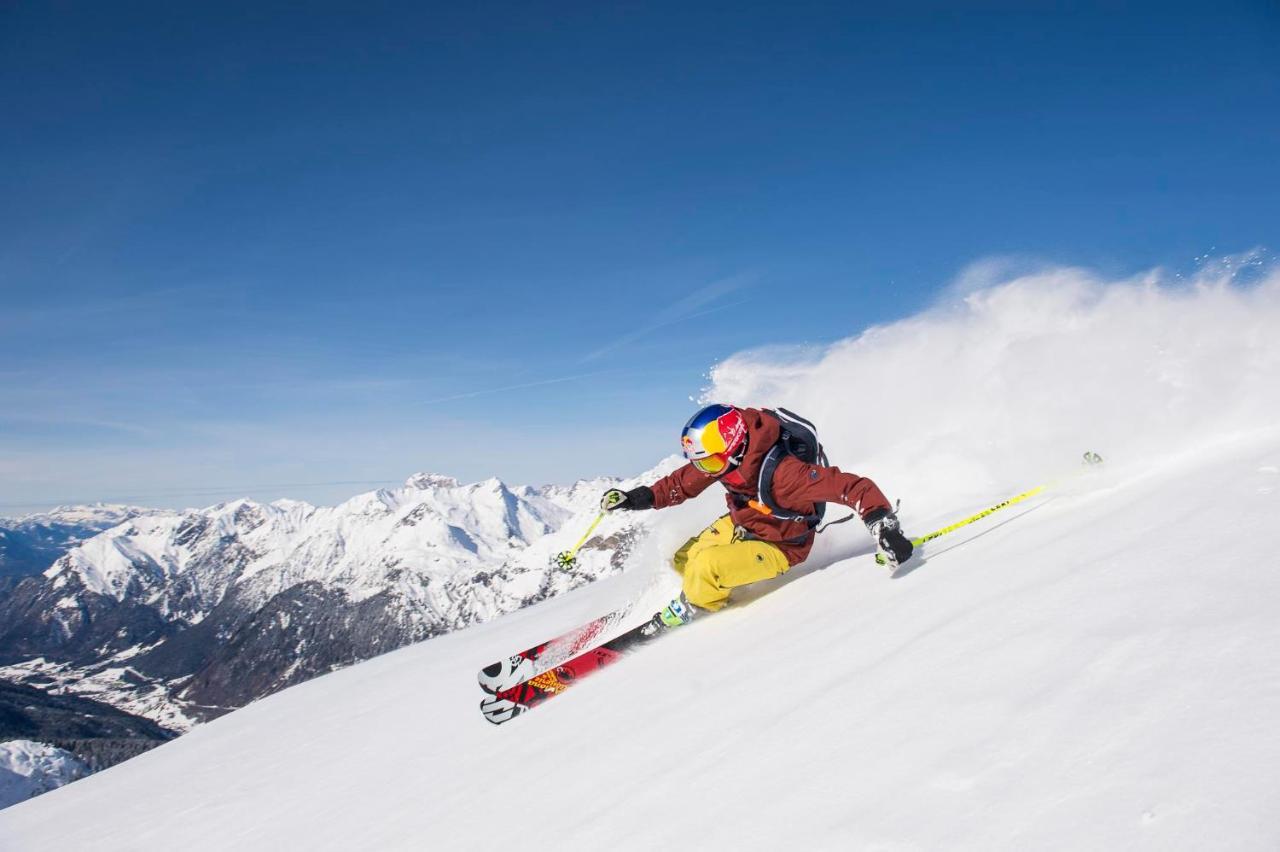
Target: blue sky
column 262, row 250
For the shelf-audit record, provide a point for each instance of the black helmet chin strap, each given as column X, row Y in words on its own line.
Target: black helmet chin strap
column 736, row 458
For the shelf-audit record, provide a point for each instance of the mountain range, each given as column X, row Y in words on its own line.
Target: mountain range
column 182, row 616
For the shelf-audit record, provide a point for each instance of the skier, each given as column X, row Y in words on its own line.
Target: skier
column 775, row 501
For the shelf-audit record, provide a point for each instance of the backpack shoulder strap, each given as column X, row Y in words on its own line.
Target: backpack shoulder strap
column 764, row 489
column 764, row 485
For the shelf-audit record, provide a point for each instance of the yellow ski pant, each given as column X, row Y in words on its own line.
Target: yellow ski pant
column 712, row 563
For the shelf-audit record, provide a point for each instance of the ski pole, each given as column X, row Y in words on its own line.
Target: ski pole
column 1090, row 458
column 568, row 558
column 916, row 542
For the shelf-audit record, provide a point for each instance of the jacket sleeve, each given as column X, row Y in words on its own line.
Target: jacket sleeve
column 796, row 484
column 680, row 485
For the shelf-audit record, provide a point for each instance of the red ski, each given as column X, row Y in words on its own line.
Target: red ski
column 506, row 704
column 510, row 672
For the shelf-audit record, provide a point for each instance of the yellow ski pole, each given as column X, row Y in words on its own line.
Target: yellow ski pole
column 568, row 558
column 1089, row 458
column 916, row 542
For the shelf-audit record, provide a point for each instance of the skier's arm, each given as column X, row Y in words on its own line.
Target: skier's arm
column 670, row 490
column 681, row 484
column 798, row 484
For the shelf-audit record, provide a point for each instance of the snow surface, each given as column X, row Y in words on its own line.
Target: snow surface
column 1096, row 673
column 29, row 768
column 1094, row 669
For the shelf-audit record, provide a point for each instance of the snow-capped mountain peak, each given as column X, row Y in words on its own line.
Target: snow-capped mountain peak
column 434, row 524
column 423, row 481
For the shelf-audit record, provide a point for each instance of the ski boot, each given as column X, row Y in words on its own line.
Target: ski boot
column 675, row 614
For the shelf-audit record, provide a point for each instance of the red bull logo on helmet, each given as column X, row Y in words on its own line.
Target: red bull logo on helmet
column 733, row 429
column 713, row 430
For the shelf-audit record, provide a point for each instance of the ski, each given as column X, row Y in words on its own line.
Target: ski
column 517, row 668
column 504, row 705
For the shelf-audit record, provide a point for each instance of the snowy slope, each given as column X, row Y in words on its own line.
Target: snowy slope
column 1051, row 684
column 1091, row 670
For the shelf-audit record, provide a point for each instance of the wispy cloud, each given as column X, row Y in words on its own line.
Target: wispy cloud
column 694, row 305
column 534, row 384
column 136, row 429
column 138, row 306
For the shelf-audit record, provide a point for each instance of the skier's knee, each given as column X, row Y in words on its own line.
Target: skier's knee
column 702, row 586
column 701, row 569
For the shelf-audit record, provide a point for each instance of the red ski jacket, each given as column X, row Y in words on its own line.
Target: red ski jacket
column 796, row 486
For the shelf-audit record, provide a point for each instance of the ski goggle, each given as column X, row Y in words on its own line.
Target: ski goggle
column 713, row 464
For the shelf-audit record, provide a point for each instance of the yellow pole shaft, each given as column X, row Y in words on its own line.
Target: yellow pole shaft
column 573, row 551
column 979, row 516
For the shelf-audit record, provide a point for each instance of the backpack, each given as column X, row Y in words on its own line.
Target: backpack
column 799, row 438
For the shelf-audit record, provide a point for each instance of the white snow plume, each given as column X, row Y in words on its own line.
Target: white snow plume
column 1009, row 380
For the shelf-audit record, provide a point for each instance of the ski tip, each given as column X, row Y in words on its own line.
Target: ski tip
column 499, row 710
column 504, row 674
column 489, row 677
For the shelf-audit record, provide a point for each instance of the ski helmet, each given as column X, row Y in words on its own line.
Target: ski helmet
column 715, row 438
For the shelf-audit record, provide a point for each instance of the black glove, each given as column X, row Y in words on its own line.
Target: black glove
column 636, row 498
column 884, row 527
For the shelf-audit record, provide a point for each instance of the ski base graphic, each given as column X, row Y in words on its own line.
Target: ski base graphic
column 517, row 668
column 504, row 705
